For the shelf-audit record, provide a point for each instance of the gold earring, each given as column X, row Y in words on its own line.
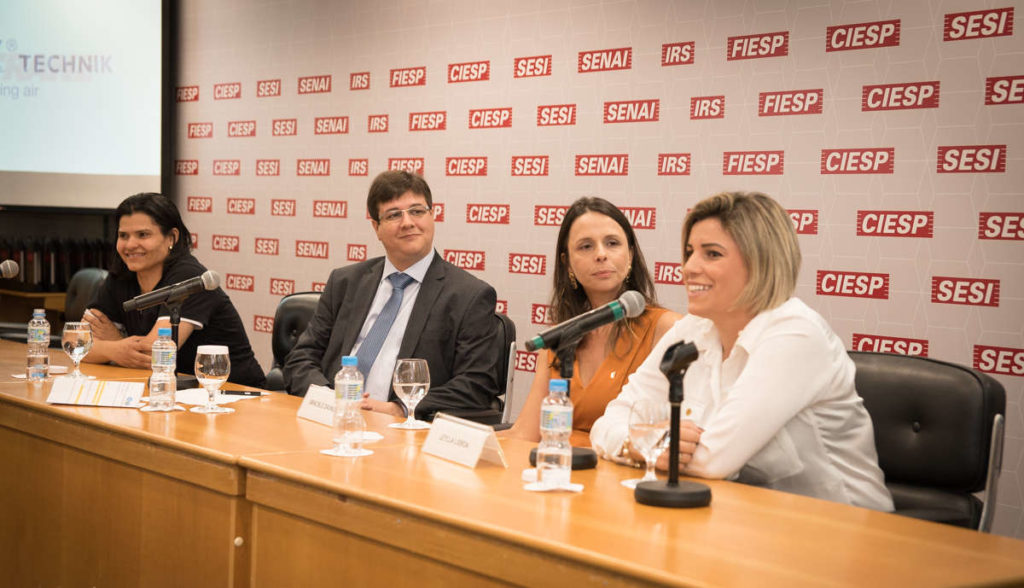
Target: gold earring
column 170, row 248
column 572, row 280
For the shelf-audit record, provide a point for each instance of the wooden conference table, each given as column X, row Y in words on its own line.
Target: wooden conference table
column 117, row 497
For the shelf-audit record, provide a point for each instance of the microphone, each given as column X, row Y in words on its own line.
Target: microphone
column 9, row 269
column 175, row 292
column 631, row 304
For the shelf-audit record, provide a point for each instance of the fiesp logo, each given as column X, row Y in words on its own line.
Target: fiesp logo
column 530, row 165
column 752, row 163
column 707, row 107
column 467, row 260
column 501, row 306
column 408, row 76
column 330, row 125
column 465, row 166
column 677, row 53
column 549, row 215
column 428, row 121
column 895, row 223
column 853, row 284
column 318, row 286
column 241, row 206
column 226, row 243
column 1004, row 90
column 968, row 159
column 282, row 207
column 904, row 96
column 263, row 324
column 668, row 273
column 266, row 246
column 526, row 361
column 864, row 35
column 673, row 164
column 355, row 252
column 268, row 167
column 186, row 167
column 640, row 217
column 314, row 84
column 242, row 128
column 605, row 60
column 1006, row 226
column 200, row 130
column 602, row 165
column 195, row 240
column 313, row 167
column 790, row 102
column 551, row 115
column 359, row 80
column 968, row 291
column 865, row 160
column 229, row 91
column 531, row 67
column 313, row 249
column 490, row 118
column 1005, row 361
column 268, row 88
column 632, row 111
column 242, row 283
column 488, row 214
column 282, row 287
column 413, row 165
column 960, row 26
column 227, row 167
column 884, row 344
column 186, row 94
column 473, row 71
column 200, row 204
column 758, row 46
column 525, row 263
column 358, row 167
column 284, row 126
column 330, row 209
column 540, row 314
column 377, row 123
column 804, row 221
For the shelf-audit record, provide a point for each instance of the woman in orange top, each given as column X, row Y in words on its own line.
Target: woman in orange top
column 596, row 259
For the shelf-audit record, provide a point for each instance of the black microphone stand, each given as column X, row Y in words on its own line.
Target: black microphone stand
column 673, row 493
column 183, row 381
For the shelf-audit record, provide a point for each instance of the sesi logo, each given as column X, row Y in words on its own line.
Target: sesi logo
column 467, row 260
column 677, row 53
column 673, row 164
column 282, row 287
column 313, row 167
column 186, row 167
column 284, row 126
column 526, row 361
column 757, row 46
column 358, row 167
column 438, row 212
column 865, row 35
column 359, row 81
column 605, row 60
column 239, row 282
column 227, row 167
column 263, row 324
column 501, row 306
column 200, row 130
column 540, row 314
column 225, row 243
column 531, row 67
column 853, row 284
column 413, row 165
column 900, row 96
column 265, row 246
column 549, row 216
column 229, row 91
column 705, row 107
column 632, row 111
column 318, row 286
column 474, row 71
column 268, row 167
column 525, row 263
column 969, row 291
column 884, row 344
column 1005, row 361
column 895, row 223
column 490, row 118
column 314, row 249
column 268, row 88
column 966, row 159
column 242, row 128
column 195, row 240
column 1004, row 90
column 858, row 161
column 281, row 207
column 330, row 209
column 408, row 76
column 530, row 165
column 1006, row 226
column 355, row 252
column 186, row 94
column 639, row 217
column 790, row 102
column 745, row 163
column 428, row 121
column 668, row 273
column 960, row 26
column 241, row 206
column 465, row 166
column 550, row 115
column 377, row 123
column 200, row 204
column 330, row 125
column 488, row 214
column 314, row 84
column 602, row 165
column 805, row 222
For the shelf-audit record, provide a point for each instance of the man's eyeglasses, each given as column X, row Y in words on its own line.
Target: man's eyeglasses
column 416, row 212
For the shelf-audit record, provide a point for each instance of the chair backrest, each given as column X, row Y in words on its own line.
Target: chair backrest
column 939, row 434
column 290, row 320
column 506, row 362
column 81, row 289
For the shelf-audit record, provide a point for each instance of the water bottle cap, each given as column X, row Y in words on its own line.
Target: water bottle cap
column 557, row 385
column 349, row 360
column 38, row 312
column 163, row 332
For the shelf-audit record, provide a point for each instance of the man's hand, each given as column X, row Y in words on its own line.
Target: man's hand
column 391, row 408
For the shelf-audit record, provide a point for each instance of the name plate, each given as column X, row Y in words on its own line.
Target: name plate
column 67, row 390
column 463, row 442
column 318, row 405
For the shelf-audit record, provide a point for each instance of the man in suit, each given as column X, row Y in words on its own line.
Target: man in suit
column 442, row 314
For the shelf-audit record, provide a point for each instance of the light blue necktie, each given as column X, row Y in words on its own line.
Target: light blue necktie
column 374, row 340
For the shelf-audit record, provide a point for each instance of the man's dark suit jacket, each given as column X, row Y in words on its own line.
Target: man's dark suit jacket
column 452, row 326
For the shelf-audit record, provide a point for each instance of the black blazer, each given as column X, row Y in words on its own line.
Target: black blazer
column 452, row 326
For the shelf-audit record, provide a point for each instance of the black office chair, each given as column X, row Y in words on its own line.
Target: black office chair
column 939, row 434
column 293, row 314
column 506, row 365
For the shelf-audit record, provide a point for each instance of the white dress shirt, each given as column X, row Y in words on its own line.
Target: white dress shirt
column 378, row 381
column 780, row 412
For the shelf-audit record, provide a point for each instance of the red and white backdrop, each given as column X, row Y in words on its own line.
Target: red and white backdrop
column 891, row 131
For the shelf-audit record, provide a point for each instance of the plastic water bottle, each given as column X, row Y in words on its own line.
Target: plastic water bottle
column 348, row 417
column 348, row 382
column 163, row 383
column 554, row 454
column 38, row 362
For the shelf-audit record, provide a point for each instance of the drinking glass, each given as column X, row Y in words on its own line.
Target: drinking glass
column 349, row 430
column 648, row 423
column 76, row 339
column 411, row 381
column 213, row 366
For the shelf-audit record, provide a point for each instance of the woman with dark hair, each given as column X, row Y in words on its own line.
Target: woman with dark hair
column 153, row 247
column 597, row 259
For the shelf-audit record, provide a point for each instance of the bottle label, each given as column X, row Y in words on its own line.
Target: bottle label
column 556, row 418
column 38, row 335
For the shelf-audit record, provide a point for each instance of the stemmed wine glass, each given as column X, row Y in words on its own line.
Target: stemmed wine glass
column 213, row 366
column 648, row 423
column 411, row 381
column 76, row 339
